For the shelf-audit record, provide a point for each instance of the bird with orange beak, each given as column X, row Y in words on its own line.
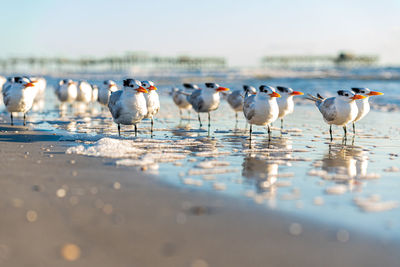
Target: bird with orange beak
column 363, row 105
column 128, row 106
column 18, row 96
column 152, row 102
column 338, row 110
column 261, row 109
column 206, row 100
column 285, row 102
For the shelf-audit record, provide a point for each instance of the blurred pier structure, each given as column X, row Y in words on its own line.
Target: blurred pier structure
column 341, row 60
column 129, row 62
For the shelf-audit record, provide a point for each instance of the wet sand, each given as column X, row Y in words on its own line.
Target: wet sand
column 118, row 216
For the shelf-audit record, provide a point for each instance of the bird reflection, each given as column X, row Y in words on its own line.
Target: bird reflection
column 346, row 162
column 264, row 172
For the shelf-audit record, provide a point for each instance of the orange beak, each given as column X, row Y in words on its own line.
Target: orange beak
column 29, row 85
column 253, row 93
column 358, row 97
column 275, row 94
column 152, row 87
column 221, row 89
column 110, row 85
column 296, row 93
column 374, row 93
column 142, row 90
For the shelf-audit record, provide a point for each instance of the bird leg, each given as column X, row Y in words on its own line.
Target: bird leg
column 251, row 131
column 236, row 116
column 330, row 132
column 119, row 129
column 269, row 133
column 24, row 119
column 345, row 131
column 209, row 120
column 135, row 130
column 281, row 124
column 189, row 115
column 151, row 129
column 354, row 128
column 180, row 113
column 12, row 119
column 198, row 114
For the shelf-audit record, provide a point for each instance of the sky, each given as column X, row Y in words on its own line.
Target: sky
column 241, row 31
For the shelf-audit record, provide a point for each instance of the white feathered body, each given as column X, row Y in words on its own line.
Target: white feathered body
column 127, row 106
column 285, row 104
column 260, row 109
column 235, row 100
column 180, row 100
column 363, row 108
column 84, row 92
column 17, row 99
column 105, row 92
column 337, row 111
column 153, row 103
column 67, row 92
column 204, row 100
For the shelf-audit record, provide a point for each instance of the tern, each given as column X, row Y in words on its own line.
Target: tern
column 363, row 105
column 66, row 91
column 152, row 101
column 18, row 95
column 179, row 97
column 206, row 100
column 285, row 102
column 84, row 92
column 105, row 90
column 339, row 110
column 128, row 106
column 236, row 98
column 261, row 109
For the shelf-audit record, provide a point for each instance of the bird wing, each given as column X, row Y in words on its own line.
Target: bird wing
column 248, row 107
column 113, row 106
column 196, row 100
column 328, row 109
column 6, row 94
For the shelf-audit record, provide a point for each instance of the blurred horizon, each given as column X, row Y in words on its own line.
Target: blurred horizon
column 241, row 32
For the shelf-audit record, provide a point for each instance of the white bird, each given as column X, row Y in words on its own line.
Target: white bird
column 128, row 106
column 261, row 109
column 95, row 93
column 206, row 100
column 66, row 92
column 339, row 110
column 152, row 101
column 179, row 97
column 363, row 104
column 236, row 98
column 84, row 92
column 38, row 101
column 18, row 96
column 105, row 90
column 285, row 102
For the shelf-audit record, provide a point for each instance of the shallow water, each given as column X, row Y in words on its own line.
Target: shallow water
column 352, row 184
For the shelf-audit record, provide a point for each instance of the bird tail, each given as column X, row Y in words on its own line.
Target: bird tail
column 314, row 98
column 184, row 93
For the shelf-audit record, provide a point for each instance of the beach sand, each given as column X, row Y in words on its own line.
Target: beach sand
column 70, row 210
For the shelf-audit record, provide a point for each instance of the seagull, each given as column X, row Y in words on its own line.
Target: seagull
column 285, row 102
column 95, row 93
column 3, row 80
column 236, row 98
column 18, row 95
column 152, row 101
column 363, row 105
column 206, row 100
column 262, row 108
column 128, row 106
column 339, row 110
column 66, row 91
column 105, row 90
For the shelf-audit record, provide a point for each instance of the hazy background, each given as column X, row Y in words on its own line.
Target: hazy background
column 241, row 31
